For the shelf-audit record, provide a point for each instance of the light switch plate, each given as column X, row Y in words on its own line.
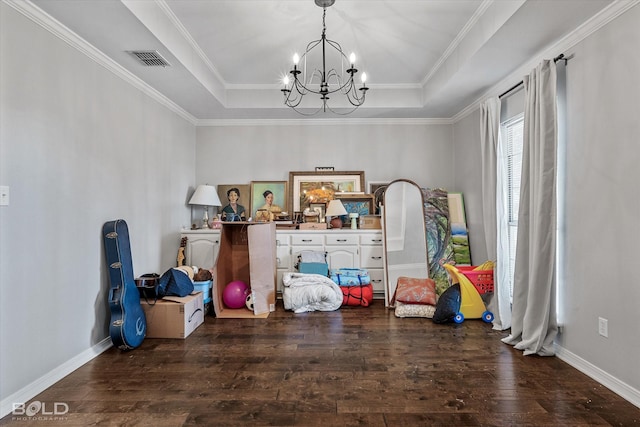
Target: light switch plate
column 4, row 195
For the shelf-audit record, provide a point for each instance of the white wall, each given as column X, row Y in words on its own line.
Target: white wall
column 601, row 204
column 78, row 147
column 468, row 180
column 240, row 154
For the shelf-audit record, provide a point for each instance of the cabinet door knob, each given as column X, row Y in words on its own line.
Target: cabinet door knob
column 376, row 257
column 341, row 240
column 306, row 240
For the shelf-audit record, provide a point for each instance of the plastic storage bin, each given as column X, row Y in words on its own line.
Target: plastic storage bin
column 205, row 288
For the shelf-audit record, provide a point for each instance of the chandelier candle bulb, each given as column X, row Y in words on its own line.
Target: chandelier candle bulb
column 319, row 78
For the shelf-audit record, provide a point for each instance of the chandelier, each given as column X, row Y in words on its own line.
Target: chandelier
column 319, row 80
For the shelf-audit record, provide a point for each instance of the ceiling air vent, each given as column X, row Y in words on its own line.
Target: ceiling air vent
column 150, row 58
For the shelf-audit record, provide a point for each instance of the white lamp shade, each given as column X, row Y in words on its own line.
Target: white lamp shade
column 335, row 208
column 205, row 195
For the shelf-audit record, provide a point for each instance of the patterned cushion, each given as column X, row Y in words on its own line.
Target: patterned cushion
column 416, row 291
column 414, row 310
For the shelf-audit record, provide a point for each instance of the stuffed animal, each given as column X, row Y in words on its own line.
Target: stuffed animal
column 202, row 275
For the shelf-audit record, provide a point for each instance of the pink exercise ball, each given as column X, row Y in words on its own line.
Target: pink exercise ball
column 235, row 294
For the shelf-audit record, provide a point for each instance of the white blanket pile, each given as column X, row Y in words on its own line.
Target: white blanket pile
column 310, row 292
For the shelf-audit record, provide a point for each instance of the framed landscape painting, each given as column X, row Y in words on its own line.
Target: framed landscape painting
column 320, row 187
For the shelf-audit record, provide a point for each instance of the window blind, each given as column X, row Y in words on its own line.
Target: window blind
column 512, row 131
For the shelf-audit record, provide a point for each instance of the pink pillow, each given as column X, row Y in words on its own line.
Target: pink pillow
column 416, row 291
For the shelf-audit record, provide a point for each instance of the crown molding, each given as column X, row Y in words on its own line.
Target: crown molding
column 38, row 16
column 459, row 38
column 322, row 122
column 55, row 27
column 162, row 4
column 605, row 16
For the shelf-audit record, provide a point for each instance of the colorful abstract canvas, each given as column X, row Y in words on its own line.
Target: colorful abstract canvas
column 439, row 245
column 459, row 232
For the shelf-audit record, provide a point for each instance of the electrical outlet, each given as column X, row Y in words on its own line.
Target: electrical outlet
column 603, row 327
column 4, row 195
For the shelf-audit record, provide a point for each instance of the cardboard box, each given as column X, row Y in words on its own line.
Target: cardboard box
column 370, row 222
column 313, row 226
column 174, row 317
column 247, row 253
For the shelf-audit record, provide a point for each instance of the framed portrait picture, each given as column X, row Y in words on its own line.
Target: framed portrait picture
column 271, row 196
column 377, row 188
column 321, row 186
column 243, row 193
column 362, row 204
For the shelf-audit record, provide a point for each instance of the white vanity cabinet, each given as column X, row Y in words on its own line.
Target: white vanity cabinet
column 306, row 241
column 345, row 248
column 342, row 249
column 371, row 259
column 284, row 258
column 202, row 247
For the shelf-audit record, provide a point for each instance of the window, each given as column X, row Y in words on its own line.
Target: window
column 512, row 134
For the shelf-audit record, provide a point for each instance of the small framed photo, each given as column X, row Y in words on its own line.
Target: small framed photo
column 269, row 196
column 321, row 208
column 377, row 188
column 235, row 198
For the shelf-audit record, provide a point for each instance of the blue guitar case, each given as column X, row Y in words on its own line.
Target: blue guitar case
column 128, row 324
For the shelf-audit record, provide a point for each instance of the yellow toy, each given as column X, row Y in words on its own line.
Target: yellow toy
column 471, row 303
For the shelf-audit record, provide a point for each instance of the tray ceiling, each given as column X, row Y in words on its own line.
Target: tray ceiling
column 423, row 58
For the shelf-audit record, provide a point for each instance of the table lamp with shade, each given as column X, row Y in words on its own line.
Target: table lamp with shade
column 205, row 195
column 335, row 210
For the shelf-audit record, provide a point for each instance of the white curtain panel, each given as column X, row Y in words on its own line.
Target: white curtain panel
column 533, row 323
column 493, row 210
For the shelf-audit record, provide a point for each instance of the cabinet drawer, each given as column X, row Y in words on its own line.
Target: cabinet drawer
column 283, row 256
column 282, row 239
column 371, row 257
column 377, row 280
column 371, row 239
column 306, row 239
column 279, row 277
column 341, row 239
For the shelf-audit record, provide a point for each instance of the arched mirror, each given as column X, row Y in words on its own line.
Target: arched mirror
column 405, row 235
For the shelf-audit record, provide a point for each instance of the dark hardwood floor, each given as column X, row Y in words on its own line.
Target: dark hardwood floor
column 354, row 366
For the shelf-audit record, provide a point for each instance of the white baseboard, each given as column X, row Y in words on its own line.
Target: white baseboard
column 615, row 385
column 41, row 384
